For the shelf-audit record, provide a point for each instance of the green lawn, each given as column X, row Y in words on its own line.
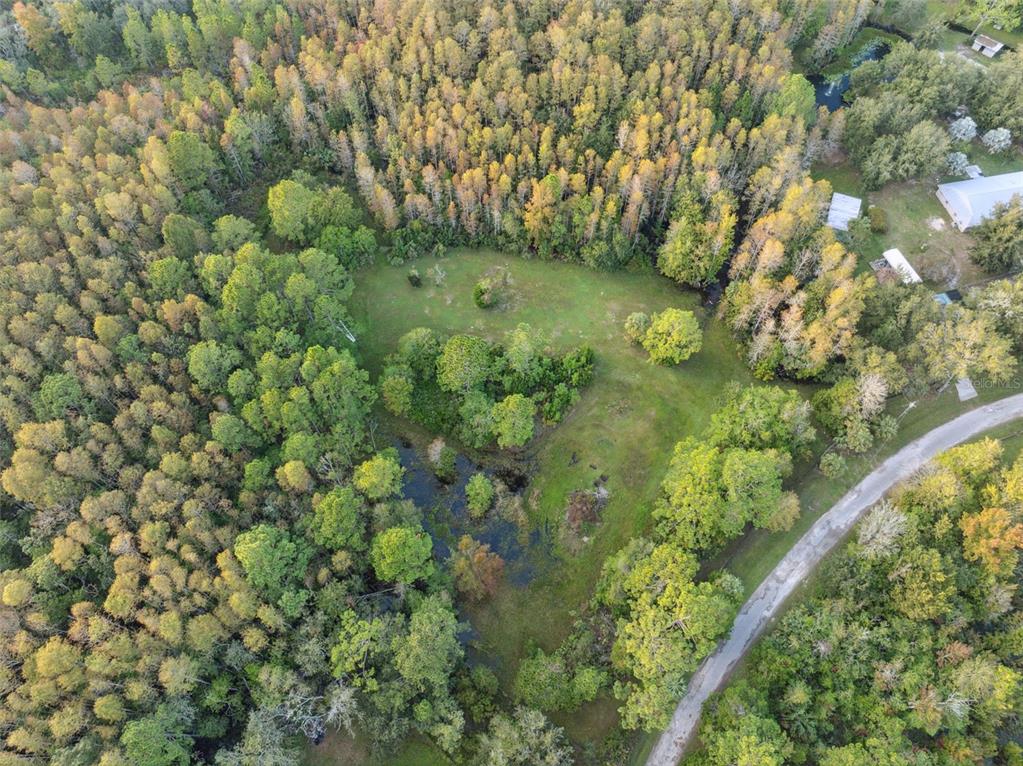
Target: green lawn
column 917, row 225
column 950, row 9
column 342, row 751
column 623, row 427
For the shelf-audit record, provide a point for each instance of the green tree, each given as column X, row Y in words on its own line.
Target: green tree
column 513, row 420
column 692, row 506
column 964, row 344
column 273, row 561
column 159, row 739
column 419, row 349
column 137, row 39
column 58, row 394
column 169, row 277
column 696, row 246
column 338, row 520
column 674, row 335
column 379, row 477
column 755, row 741
column 210, row 363
column 763, row 417
column 464, row 363
column 190, row 159
column 796, row 99
column 402, row 555
column 231, row 431
column 998, row 240
column 426, row 656
column 479, row 494
column 524, row 738
column 291, row 210
column 752, row 482
column 651, row 647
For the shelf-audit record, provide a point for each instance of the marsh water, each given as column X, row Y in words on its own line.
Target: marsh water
column 830, row 91
column 446, row 515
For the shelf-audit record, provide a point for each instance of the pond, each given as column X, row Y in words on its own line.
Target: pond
column 830, row 91
column 446, row 515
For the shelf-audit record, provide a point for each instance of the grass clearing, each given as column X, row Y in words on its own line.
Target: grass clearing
column 917, row 223
column 624, row 424
column 951, row 10
column 939, row 252
column 623, row 427
column 338, row 750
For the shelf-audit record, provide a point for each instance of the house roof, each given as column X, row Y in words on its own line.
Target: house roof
column 974, row 199
column 843, row 209
column 898, row 262
column 989, row 42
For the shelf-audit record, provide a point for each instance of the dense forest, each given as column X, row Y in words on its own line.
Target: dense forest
column 909, row 651
column 206, row 554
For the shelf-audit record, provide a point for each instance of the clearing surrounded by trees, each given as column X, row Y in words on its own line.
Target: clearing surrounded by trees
column 392, row 382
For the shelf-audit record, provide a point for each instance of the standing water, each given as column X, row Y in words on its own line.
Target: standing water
column 830, row 91
column 446, row 516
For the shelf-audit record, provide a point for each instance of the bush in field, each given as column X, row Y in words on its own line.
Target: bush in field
column 878, row 219
column 674, row 335
column 484, row 294
column 636, row 325
column 832, row 465
column 997, row 140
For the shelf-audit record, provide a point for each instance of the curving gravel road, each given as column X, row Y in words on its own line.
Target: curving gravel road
column 802, row 557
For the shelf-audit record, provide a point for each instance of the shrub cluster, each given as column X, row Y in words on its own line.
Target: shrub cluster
column 482, row 392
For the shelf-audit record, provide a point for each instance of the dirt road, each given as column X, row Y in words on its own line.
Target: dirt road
column 802, row 557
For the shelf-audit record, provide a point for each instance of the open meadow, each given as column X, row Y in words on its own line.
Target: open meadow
column 623, row 428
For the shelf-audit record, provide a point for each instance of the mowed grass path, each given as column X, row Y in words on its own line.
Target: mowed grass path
column 623, row 427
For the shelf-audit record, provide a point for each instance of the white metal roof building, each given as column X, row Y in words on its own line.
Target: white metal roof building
column 843, row 209
column 901, row 266
column 987, row 46
column 970, row 202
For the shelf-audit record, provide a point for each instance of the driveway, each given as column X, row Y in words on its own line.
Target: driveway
column 757, row 613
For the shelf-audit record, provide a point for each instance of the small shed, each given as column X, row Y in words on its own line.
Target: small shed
column 987, row 46
column 843, row 209
column 965, row 389
column 901, row 266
